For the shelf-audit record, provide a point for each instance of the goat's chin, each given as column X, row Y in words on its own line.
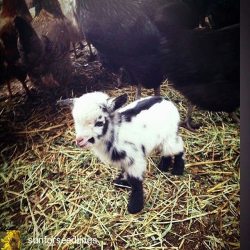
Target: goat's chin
column 86, row 146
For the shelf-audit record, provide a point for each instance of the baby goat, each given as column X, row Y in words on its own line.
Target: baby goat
column 125, row 136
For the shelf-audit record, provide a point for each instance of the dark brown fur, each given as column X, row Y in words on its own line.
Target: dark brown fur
column 47, row 56
column 10, row 66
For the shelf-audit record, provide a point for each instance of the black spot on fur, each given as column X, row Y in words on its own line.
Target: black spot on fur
column 105, row 127
column 178, row 167
column 143, row 149
column 109, row 145
column 165, row 163
column 118, row 155
column 111, row 140
column 140, row 106
column 136, row 199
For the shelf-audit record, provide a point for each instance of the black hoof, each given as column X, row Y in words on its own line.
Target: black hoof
column 177, row 172
column 136, row 199
column 179, row 164
column 135, row 204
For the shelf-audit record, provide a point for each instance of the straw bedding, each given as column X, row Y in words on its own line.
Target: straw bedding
column 50, row 189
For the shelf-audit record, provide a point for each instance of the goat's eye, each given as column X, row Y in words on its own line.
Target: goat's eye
column 99, row 124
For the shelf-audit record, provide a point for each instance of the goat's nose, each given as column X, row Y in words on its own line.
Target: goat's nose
column 79, row 140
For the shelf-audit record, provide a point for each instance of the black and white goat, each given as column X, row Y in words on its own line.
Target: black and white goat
column 124, row 136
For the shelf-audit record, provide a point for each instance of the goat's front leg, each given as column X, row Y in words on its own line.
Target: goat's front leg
column 136, row 199
column 135, row 179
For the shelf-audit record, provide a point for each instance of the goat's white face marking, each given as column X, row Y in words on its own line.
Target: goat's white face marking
column 89, row 117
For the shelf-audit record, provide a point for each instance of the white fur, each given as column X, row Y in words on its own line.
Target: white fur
column 154, row 128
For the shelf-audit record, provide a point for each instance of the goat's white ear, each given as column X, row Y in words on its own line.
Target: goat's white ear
column 66, row 102
column 118, row 102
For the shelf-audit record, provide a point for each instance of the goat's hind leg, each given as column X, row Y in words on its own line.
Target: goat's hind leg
column 179, row 164
column 173, row 147
column 165, row 163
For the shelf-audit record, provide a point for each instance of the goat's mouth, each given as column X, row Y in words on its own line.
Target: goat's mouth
column 84, row 142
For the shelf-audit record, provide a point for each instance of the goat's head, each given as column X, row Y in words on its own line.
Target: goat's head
column 92, row 115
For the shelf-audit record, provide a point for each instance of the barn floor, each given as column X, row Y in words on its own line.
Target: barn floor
column 55, row 193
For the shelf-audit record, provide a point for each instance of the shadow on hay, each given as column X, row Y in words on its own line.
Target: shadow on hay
column 22, row 112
